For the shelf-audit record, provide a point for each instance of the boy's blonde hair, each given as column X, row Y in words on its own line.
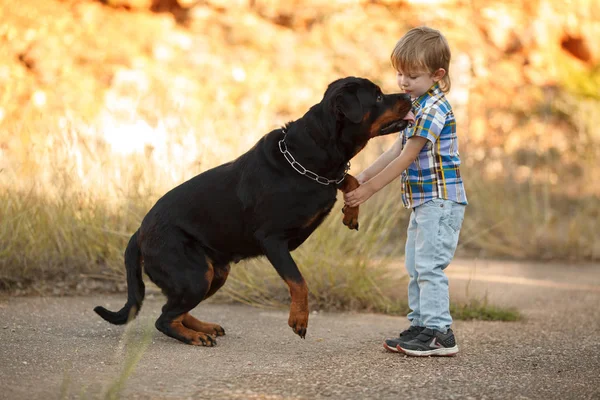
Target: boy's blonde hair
column 420, row 49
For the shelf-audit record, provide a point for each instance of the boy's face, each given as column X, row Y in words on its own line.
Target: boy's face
column 418, row 83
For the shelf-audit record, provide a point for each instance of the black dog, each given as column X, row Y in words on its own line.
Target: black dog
column 266, row 202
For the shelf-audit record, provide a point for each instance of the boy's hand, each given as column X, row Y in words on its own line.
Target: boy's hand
column 358, row 196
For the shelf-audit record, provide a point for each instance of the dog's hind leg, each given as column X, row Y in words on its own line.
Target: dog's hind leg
column 175, row 328
column 200, row 326
column 185, row 289
column 219, row 278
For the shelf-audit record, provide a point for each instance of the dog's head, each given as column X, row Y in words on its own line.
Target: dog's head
column 362, row 111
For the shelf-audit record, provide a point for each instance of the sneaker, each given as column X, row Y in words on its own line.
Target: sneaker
column 407, row 335
column 430, row 343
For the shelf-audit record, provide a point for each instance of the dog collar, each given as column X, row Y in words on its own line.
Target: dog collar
column 306, row 172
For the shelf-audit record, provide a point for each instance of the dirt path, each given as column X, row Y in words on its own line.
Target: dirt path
column 50, row 346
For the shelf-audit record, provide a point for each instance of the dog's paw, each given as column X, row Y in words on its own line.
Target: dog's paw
column 300, row 331
column 350, row 217
column 214, row 330
column 299, row 323
column 203, row 339
column 200, row 326
column 219, row 331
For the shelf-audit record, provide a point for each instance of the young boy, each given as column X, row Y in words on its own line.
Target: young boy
column 426, row 157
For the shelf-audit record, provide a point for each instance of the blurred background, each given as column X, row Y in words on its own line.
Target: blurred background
column 105, row 105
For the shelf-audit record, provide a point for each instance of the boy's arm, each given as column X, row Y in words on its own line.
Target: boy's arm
column 428, row 127
column 389, row 173
column 394, row 169
column 383, row 161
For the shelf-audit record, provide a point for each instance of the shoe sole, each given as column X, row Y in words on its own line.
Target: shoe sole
column 445, row 352
column 392, row 349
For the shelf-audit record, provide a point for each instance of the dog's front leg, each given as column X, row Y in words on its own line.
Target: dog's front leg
column 350, row 213
column 279, row 255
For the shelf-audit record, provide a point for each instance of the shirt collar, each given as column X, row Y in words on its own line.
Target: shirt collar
column 433, row 92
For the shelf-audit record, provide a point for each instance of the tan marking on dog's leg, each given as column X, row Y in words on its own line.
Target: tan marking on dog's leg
column 350, row 219
column 210, row 273
column 218, row 280
column 298, row 319
column 193, row 337
column 200, row 326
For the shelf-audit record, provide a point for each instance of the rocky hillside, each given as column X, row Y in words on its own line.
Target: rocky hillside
column 520, row 70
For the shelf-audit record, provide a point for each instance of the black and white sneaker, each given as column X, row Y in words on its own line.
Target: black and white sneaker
column 406, row 336
column 430, row 343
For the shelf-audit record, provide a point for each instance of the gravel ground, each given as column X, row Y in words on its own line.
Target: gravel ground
column 54, row 347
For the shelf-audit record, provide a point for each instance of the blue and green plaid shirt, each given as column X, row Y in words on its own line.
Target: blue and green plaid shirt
column 435, row 173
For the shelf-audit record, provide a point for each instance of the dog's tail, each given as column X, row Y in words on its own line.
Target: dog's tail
column 135, row 286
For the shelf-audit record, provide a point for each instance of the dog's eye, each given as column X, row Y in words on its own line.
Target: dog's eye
column 379, row 97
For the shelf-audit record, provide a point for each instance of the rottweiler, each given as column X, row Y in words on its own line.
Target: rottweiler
column 266, row 202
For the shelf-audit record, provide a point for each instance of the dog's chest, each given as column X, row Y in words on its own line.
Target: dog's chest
column 314, row 218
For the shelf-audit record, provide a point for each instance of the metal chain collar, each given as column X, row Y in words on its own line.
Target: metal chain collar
column 303, row 171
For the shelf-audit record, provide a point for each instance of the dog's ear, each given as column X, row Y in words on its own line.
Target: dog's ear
column 348, row 104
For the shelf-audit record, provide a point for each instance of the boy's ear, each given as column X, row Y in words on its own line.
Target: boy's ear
column 439, row 74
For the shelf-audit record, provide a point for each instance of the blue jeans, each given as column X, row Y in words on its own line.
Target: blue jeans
column 432, row 238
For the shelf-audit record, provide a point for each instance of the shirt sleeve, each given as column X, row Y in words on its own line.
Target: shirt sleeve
column 429, row 125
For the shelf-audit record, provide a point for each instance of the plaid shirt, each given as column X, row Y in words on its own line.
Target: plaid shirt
column 435, row 172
